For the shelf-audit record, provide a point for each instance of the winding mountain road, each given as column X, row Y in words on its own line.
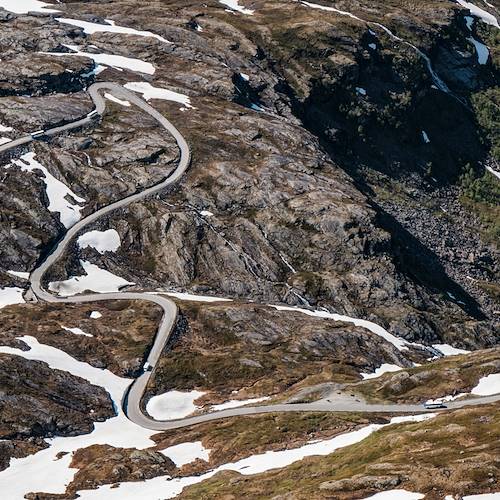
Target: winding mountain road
column 132, row 400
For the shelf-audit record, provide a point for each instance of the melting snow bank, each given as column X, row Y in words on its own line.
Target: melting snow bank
column 19, row 274
column 11, row 295
column 487, row 386
column 25, row 6
column 173, row 405
column 45, row 470
column 481, row 13
column 396, row 495
column 109, row 60
column 165, row 487
column 149, row 92
column 384, row 368
column 96, row 279
column 236, row 403
column 194, row 298
column 448, row 350
column 91, row 28
column 234, row 6
column 185, row 453
column 400, row 344
column 102, row 241
column 57, row 192
column 112, row 98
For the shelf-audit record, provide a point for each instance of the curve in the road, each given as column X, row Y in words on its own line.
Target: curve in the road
column 132, row 400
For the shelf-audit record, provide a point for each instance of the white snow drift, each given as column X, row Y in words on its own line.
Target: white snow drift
column 173, row 404
column 487, row 386
column 112, row 98
column 11, row 295
column 236, row 7
column 57, row 192
column 383, row 368
column 236, row 403
column 112, row 60
column 96, row 279
column 185, row 453
column 102, row 241
column 25, row 6
column 149, row 92
column 91, row 28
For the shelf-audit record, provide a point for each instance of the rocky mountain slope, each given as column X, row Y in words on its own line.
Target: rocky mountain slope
column 345, row 165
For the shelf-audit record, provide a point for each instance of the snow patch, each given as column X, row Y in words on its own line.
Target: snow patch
column 95, row 315
column 206, row 213
column 235, row 403
column 484, row 496
column 4, row 128
column 57, row 192
column 195, row 298
column 488, row 385
column 91, row 28
column 149, row 92
column 25, row 6
column 76, row 331
column 448, row 350
column 361, row 90
column 173, row 404
column 19, row 274
column 4, row 140
column 395, row 495
column 185, row 453
column 11, row 295
column 480, row 13
column 493, row 171
column 234, row 6
column 112, row 98
column 102, row 241
column 96, row 279
column 112, row 60
column 384, row 368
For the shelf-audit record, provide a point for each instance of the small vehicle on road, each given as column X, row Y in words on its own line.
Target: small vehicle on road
column 433, row 405
column 93, row 114
column 37, row 134
column 147, row 367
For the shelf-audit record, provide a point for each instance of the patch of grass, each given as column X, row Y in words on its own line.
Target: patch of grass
column 486, row 106
column 482, row 196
